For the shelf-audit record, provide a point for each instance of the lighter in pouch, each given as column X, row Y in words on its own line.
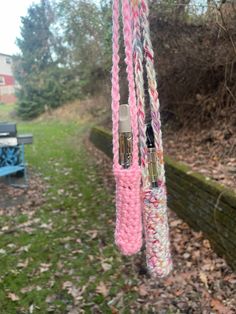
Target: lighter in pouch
column 125, row 137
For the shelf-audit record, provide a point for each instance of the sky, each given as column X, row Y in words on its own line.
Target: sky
column 10, row 13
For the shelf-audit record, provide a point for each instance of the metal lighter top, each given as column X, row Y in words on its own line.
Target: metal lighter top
column 152, row 157
column 124, row 119
column 125, row 136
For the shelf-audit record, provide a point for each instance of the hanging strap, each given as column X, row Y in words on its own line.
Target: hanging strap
column 139, row 80
column 127, row 31
column 143, row 51
column 115, row 83
column 152, row 89
column 155, row 204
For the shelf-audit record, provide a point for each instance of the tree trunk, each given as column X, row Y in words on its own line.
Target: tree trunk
column 181, row 8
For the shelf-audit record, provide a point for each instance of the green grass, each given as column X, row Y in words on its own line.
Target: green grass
column 7, row 112
column 77, row 238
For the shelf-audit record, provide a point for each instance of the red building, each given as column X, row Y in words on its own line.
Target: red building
column 7, row 81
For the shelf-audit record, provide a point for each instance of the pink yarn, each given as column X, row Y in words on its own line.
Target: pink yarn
column 115, row 84
column 128, row 234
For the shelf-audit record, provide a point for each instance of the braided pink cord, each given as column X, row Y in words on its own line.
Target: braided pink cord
column 127, row 31
column 115, row 83
column 155, row 204
column 128, row 233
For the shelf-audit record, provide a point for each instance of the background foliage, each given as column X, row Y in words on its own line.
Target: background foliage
column 66, row 54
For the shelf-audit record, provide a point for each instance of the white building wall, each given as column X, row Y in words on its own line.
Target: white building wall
column 5, row 65
column 7, row 90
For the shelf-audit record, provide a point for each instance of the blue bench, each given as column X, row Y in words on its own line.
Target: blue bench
column 12, row 161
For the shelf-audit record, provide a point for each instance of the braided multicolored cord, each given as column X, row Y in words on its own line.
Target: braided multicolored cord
column 128, row 234
column 139, row 80
column 155, row 201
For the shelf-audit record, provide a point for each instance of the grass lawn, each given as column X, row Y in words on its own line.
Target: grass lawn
column 66, row 261
column 6, row 111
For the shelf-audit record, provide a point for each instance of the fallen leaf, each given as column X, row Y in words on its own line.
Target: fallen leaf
column 206, row 244
column 60, row 191
column 23, row 264
column 44, row 267
column 91, row 258
column 27, row 289
column 106, row 266
column 76, row 293
column 51, row 298
column 102, row 289
column 179, row 292
column 60, row 265
column 30, row 288
column 186, row 255
column 114, row 310
column 24, row 248
column 218, row 306
column 31, row 308
column 92, row 233
column 203, row 278
column 230, row 278
column 142, row 290
column 175, row 223
column 11, row 245
column 74, row 311
column 46, row 226
column 65, row 240
column 67, row 284
column 196, row 254
column 13, row 296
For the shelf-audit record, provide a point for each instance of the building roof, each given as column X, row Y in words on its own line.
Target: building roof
column 5, row 55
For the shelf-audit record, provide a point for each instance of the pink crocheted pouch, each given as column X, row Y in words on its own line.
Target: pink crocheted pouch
column 128, row 234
